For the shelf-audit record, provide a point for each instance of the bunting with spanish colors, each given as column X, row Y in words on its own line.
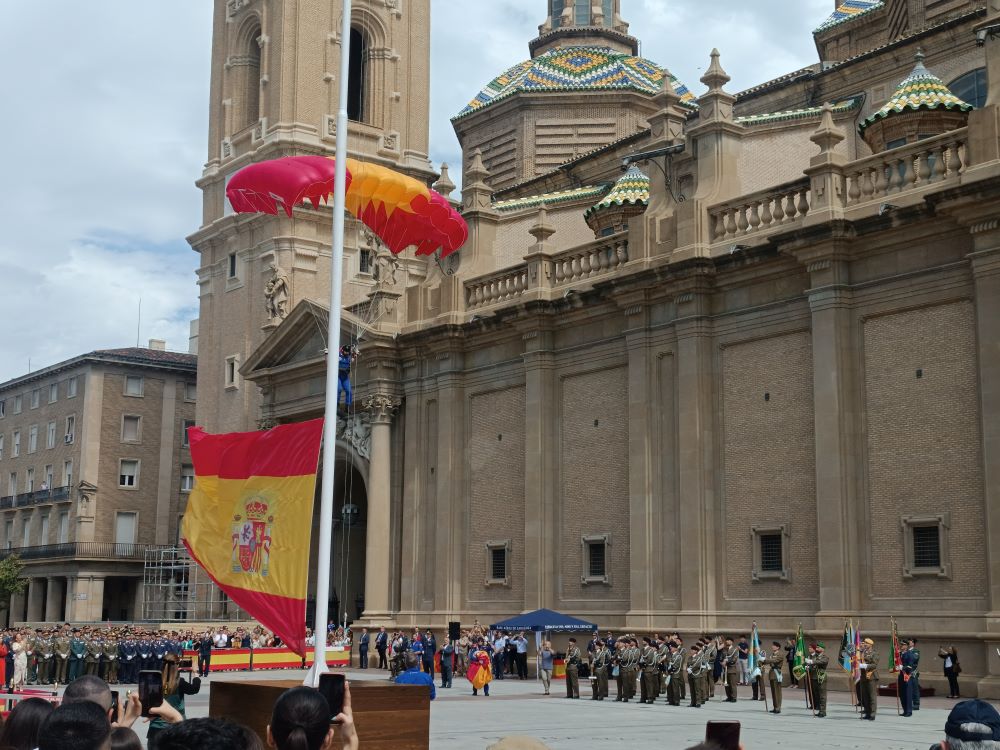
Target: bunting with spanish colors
column 249, row 519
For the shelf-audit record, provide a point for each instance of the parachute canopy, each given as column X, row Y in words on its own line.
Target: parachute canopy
column 401, row 210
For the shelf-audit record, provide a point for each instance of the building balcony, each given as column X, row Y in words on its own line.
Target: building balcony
column 39, row 497
column 80, row 551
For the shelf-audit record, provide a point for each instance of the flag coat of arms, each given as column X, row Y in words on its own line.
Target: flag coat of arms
column 249, row 520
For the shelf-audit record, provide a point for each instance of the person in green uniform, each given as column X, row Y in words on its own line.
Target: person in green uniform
column 572, row 670
column 731, row 667
column 46, row 652
column 675, row 673
column 601, row 658
column 618, row 668
column 682, row 675
column 774, row 662
column 110, row 647
column 816, row 667
column 650, row 672
column 92, row 661
column 61, row 658
column 695, row 664
column 869, row 680
column 662, row 657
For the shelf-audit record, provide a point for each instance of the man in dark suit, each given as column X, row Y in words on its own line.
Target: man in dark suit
column 363, row 649
column 381, row 644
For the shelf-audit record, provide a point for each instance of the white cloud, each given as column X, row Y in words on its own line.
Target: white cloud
column 109, row 134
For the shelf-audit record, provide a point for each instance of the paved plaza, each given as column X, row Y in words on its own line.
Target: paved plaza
column 459, row 720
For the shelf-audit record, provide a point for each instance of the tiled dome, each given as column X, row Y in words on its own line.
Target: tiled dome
column 627, row 198
column 578, row 69
column 919, row 90
column 847, row 10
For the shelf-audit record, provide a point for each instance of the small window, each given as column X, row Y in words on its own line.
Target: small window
column 33, row 438
column 12, row 483
column 497, row 563
column 26, row 532
column 971, row 87
column 29, row 480
column 133, row 385
column 36, row 398
column 43, row 532
column 15, row 449
column 233, row 372
column 128, row 473
column 53, row 393
column 231, row 270
column 50, row 435
column 595, row 558
column 130, row 428
column 926, row 546
column 71, row 387
column 3, row 407
column 187, row 478
column 67, row 473
column 68, row 436
column 1, row 445
column 185, row 426
column 17, row 404
column 357, row 75
column 190, row 392
column 365, row 261
column 64, row 527
column 49, row 478
column 8, row 533
column 770, row 553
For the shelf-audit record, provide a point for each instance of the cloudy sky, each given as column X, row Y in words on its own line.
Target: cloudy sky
column 105, row 131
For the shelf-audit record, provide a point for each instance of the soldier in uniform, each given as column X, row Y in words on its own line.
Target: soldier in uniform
column 601, row 659
column 572, row 670
column 127, row 655
column 650, row 672
column 78, row 654
column 92, row 660
column 906, row 682
column 732, row 669
column 110, row 663
column 46, row 651
column 634, row 655
column 694, row 674
column 618, row 665
column 145, row 650
column 674, row 669
column 915, row 679
column 662, row 657
column 816, row 667
column 774, row 661
column 682, row 675
column 61, row 646
column 160, row 650
column 869, row 679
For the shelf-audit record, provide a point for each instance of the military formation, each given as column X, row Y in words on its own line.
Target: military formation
column 57, row 656
column 652, row 667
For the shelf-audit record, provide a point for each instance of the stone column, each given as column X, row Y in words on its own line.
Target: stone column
column 95, row 599
column 17, row 602
column 70, row 608
column 54, row 597
column 443, row 550
column 377, row 568
column 139, row 598
column 36, row 600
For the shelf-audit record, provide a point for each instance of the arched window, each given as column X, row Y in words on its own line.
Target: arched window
column 971, row 87
column 357, row 84
column 251, row 90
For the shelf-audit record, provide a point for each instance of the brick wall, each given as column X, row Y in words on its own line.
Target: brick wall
column 594, row 480
column 496, row 499
column 923, row 444
column 769, row 457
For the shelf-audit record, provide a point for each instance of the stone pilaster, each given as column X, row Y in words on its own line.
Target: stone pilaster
column 447, row 509
column 378, row 583
column 53, row 599
column 36, row 600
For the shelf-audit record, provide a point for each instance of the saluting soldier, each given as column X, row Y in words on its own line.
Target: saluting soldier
column 774, row 662
column 572, row 670
column 869, row 679
column 110, row 665
column 732, row 670
column 816, row 667
column 674, row 669
column 601, row 658
column 61, row 658
column 650, row 673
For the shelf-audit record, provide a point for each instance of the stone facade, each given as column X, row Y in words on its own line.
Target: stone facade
column 81, row 526
column 762, row 400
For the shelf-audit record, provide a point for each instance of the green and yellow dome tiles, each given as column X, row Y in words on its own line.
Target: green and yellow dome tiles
column 632, row 189
column 919, row 90
column 847, row 11
column 578, row 69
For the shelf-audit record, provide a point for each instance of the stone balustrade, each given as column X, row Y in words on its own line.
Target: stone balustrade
column 929, row 161
column 600, row 256
column 500, row 286
column 760, row 211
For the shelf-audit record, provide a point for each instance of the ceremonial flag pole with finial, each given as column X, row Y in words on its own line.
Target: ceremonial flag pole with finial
column 325, row 551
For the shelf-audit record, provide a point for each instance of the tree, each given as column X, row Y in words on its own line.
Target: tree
column 11, row 581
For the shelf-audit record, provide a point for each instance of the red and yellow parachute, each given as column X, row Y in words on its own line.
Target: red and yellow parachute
column 399, row 209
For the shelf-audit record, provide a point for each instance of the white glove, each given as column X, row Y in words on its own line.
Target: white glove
column 863, row 665
column 689, row 670
column 809, row 661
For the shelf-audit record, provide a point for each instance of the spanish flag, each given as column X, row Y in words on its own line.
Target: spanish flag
column 249, row 518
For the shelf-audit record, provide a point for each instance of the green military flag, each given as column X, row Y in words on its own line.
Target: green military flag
column 799, row 658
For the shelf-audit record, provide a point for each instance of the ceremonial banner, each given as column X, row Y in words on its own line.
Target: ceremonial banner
column 249, row 519
column 753, row 658
column 799, row 658
column 896, row 651
column 856, row 656
column 846, row 646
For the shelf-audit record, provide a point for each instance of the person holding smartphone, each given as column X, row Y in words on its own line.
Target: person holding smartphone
column 301, row 720
column 175, row 688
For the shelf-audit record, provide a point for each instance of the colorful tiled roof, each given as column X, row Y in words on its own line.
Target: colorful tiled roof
column 848, row 10
column 578, row 69
column 844, row 105
column 919, row 90
column 632, row 189
column 560, row 196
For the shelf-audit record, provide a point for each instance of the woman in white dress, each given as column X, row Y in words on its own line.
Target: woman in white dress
column 20, row 662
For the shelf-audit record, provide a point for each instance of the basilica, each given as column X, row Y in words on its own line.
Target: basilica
column 707, row 357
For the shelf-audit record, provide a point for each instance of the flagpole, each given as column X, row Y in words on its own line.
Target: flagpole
column 325, row 552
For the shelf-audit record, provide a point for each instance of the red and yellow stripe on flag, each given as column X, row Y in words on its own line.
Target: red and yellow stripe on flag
column 249, row 518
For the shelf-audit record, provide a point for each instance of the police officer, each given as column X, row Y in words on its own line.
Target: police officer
column 774, row 661
column 145, row 649
column 572, row 670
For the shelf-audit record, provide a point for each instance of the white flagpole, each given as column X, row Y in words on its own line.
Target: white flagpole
column 325, row 552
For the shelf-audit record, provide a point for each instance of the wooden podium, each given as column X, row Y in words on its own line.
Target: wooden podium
column 388, row 716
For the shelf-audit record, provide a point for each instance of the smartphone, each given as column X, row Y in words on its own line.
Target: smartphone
column 150, row 690
column 725, row 734
column 332, row 688
column 115, row 706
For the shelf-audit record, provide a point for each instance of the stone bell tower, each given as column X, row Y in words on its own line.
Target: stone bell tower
column 274, row 92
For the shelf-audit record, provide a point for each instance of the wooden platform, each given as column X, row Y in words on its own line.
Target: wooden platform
column 386, row 715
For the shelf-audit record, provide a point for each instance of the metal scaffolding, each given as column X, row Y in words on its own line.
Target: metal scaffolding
column 176, row 589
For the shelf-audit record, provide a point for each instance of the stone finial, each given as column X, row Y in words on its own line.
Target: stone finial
column 541, row 230
column 827, row 135
column 715, row 77
column 667, row 96
column 477, row 171
column 444, row 185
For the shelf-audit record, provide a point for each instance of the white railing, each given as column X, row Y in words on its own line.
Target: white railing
column 932, row 160
column 763, row 210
